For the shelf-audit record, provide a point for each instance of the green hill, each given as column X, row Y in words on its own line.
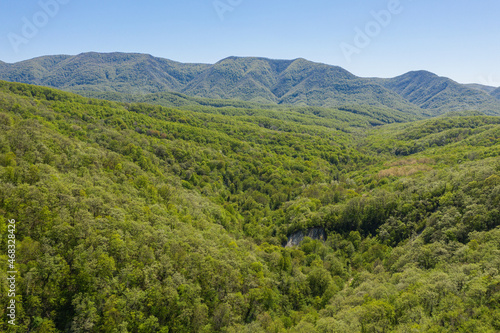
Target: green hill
column 122, row 72
column 299, row 81
column 133, row 217
column 258, row 80
column 481, row 87
column 438, row 95
column 349, row 113
column 496, row 93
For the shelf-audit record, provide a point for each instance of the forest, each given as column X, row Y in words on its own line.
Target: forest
column 139, row 217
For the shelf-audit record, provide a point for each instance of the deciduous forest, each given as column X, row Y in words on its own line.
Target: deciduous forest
column 136, row 217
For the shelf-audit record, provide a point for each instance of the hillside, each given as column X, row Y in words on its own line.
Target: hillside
column 482, row 87
column 133, row 217
column 298, row 82
column 438, row 95
column 496, row 93
column 350, row 113
column 259, row 80
column 122, row 72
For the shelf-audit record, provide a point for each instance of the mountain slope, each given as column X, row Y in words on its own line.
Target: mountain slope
column 482, row 87
column 439, row 95
column 496, row 93
column 243, row 78
column 120, row 72
column 261, row 80
column 34, row 71
column 353, row 115
column 140, row 218
column 253, row 79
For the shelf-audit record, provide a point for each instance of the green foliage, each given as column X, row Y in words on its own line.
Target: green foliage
column 135, row 217
column 439, row 95
column 143, row 78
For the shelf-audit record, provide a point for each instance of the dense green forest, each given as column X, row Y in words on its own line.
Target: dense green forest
column 134, row 217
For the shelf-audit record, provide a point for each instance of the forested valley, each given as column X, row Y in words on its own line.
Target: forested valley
column 134, row 217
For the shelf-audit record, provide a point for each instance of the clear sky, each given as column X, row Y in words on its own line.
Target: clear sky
column 459, row 39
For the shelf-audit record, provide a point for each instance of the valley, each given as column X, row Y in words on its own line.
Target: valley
column 166, row 210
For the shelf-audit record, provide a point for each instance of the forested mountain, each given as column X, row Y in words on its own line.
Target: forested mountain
column 496, row 93
column 298, row 82
column 134, row 217
column 121, row 72
column 482, row 87
column 374, row 115
column 252, row 79
column 295, row 82
column 438, row 95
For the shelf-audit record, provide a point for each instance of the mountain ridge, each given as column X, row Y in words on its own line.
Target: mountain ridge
column 440, row 94
column 255, row 79
column 496, row 93
column 482, row 87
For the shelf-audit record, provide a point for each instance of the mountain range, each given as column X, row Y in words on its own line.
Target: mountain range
column 291, row 82
column 488, row 89
column 496, row 93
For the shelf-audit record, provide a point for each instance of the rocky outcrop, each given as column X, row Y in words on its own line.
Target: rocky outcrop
column 298, row 236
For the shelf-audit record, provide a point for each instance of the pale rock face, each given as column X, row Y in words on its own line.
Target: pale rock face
column 298, row 236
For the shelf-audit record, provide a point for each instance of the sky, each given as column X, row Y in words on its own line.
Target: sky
column 459, row 39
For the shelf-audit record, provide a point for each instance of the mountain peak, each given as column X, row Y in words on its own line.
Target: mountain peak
column 439, row 94
column 257, row 79
column 419, row 73
column 112, row 56
column 482, row 87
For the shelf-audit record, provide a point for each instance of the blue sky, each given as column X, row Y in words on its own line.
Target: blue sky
column 455, row 38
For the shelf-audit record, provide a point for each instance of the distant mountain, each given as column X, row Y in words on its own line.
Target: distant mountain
column 299, row 81
column 122, row 72
column 439, row 95
column 481, row 87
column 370, row 114
column 296, row 82
column 496, row 93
